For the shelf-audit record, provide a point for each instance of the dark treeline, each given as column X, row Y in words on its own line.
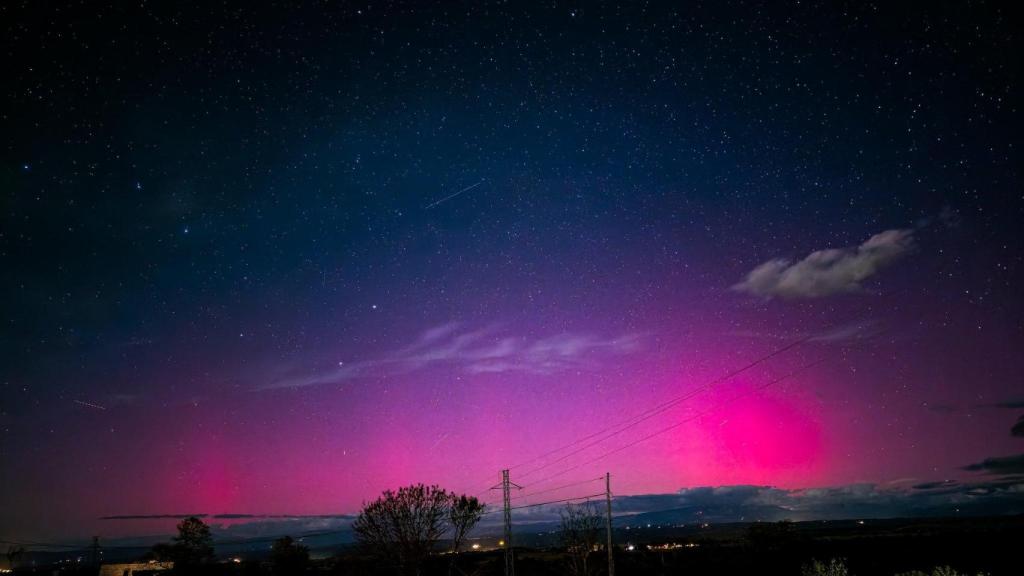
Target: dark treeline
column 423, row 531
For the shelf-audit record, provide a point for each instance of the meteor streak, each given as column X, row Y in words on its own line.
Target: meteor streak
column 449, row 197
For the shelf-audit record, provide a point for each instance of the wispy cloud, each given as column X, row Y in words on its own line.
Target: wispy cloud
column 1012, row 404
column 905, row 498
column 479, row 351
column 232, row 529
column 152, row 516
column 745, row 503
column 999, row 465
column 231, row 516
column 236, row 527
column 852, row 332
column 738, row 503
column 939, row 408
column 828, row 272
column 238, row 516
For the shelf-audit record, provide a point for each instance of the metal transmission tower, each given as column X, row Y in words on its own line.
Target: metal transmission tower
column 608, row 521
column 506, row 487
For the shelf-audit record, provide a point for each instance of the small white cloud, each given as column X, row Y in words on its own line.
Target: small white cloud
column 828, row 272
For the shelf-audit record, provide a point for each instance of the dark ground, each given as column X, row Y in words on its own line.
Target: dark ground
column 874, row 548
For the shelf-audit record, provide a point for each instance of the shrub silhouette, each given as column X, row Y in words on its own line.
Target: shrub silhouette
column 288, row 557
column 937, row 571
column 835, row 567
column 772, row 534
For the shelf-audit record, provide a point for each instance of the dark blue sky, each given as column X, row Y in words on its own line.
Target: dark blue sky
column 234, row 243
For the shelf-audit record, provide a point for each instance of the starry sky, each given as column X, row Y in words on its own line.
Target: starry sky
column 276, row 260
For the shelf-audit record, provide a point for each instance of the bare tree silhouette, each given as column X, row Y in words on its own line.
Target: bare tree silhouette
column 403, row 527
column 580, row 533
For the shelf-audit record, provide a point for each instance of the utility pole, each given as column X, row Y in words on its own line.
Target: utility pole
column 608, row 521
column 95, row 550
column 506, row 487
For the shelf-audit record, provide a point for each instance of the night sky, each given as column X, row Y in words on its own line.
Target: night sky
column 276, row 260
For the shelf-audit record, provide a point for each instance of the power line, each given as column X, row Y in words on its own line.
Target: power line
column 651, row 412
column 608, row 521
column 684, row 421
column 657, row 410
column 581, row 482
column 524, row 506
column 660, row 408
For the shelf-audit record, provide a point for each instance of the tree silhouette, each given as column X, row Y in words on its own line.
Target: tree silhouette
column 580, row 532
column 463, row 514
column 191, row 547
column 288, row 557
column 13, row 554
column 403, row 527
column 193, row 544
